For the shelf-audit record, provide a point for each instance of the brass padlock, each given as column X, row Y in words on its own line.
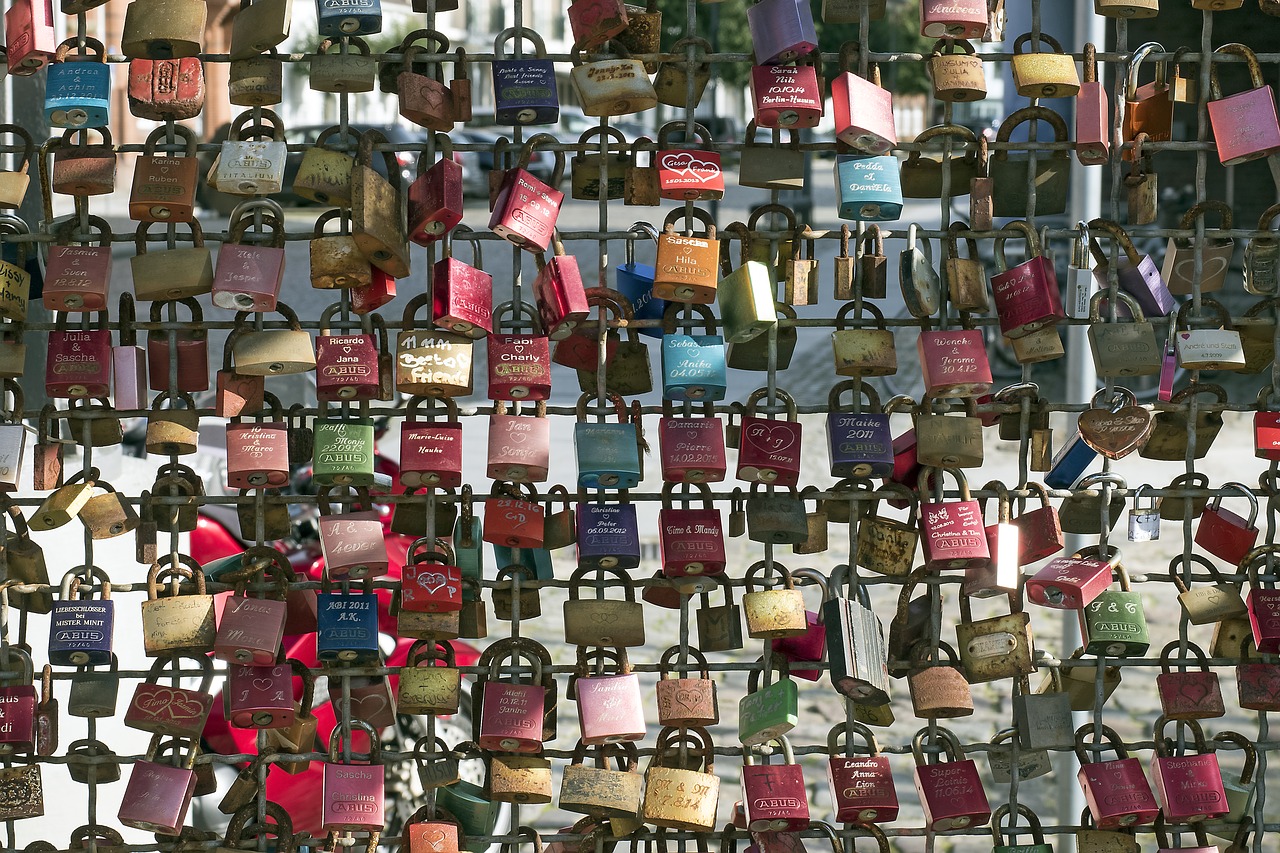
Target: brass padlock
column 888, row 545
column 25, row 565
column 1120, row 348
column 519, row 779
column 1141, row 185
column 1215, row 253
column 604, row 161
column 93, row 424
column 259, row 25
column 351, row 69
column 13, row 185
column 1177, row 508
column 164, row 29
column 954, row 145
column 996, row 647
column 772, row 613
column 109, row 514
column 1169, row 440
column 504, row 597
column 66, row 502
column 1041, row 74
column 861, row 351
column 377, row 218
column 802, row 272
column 172, row 431
column 965, row 277
column 178, row 622
column 672, row 81
column 956, row 76
column 272, row 352
column 256, row 80
column 1081, row 511
column 336, row 260
column 324, row 173
column 170, row 274
column 950, row 442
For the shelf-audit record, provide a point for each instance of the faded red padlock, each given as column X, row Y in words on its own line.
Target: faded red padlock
column 372, row 296
column 18, row 706
column 128, row 362
column 774, row 795
column 594, row 22
column 1116, row 791
column 1093, row 114
column 347, row 366
column 692, row 539
column 431, row 450
column 1262, row 602
column 261, row 697
column 429, row 583
column 1039, row 529
column 519, row 445
column 512, row 518
column 430, row 830
column 1224, row 534
column 1027, row 296
column 1188, row 694
column 77, row 277
column 248, row 276
column 163, row 89
column 435, row 196
column 519, row 364
column 952, row 533
column 769, row 450
column 957, row 19
column 526, row 209
column 158, row 794
column 258, row 451
column 691, row 449
column 1188, row 786
column 250, row 628
column 1071, row 583
column 78, row 362
column 166, row 710
column 352, row 541
column 462, row 294
column 688, row 699
column 954, row 363
column 190, row 349
column 580, row 346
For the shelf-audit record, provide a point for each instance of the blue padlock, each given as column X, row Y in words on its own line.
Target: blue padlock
column 338, row 18
column 524, row 90
column 860, row 443
column 78, row 89
column 635, row 281
column 347, row 627
column 608, row 535
column 1070, row 463
column 536, row 560
column 781, row 30
column 608, row 454
column 81, row 629
column 693, row 366
column 870, row 188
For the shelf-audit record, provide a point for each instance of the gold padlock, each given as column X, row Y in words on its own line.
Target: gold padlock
column 996, row 647
column 590, row 164
column 324, row 174
column 887, row 545
column 948, row 441
column 430, row 362
column 802, row 272
column 108, row 514
column 173, row 431
column 179, row 622
column 93, row 424
column 519, row 779
column 336, row 260
column 598, row 790
column 1043, row 74
column 600, row 621
column 165, row 29
column 26, row 565
column 377, row 220
column 272, row 352
column 956, row 76
column 1177, row 508
column 13, row 185
column 672, row 80
column 426, row 688
column 351, row 69
column 66, row 502
column 664, row 803
column 1120, row 348
column 773, row 613
column 259, row 25
column 966, row 278
column 256, row 80
column 171, row 274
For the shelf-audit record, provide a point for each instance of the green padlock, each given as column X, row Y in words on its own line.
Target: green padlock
column 344, row 452
column 1114, row 623
column 477, row 816
column 1240, row 790
column 1039, row 845
column 766, row 713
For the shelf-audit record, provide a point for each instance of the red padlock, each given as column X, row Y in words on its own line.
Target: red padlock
column 692, row 540
column 18, row 706
column 431, row 450
column 347, row 366
column 428, row 582
column 769, row 450
column 692, row 449
column 610, row 707
column 1039, row 529
column 512, row 520
column 511, row 713
column 957, row 19
column 952, row 534
column 863, row 110
column 352, row 796
column 78, row 362
column 431, row 830
column 462, row 294
column 1257, row 681
column 519, row 364
column 261, row 697
column 1071, row 583
column 1188, row 695
column 1027, row 296
column 248, row 277
column 519, row 445
column 435, row 196
column 1116, row 791
column 950, row 791
column 192, row 356
column 811, row 646
column 250, row 629
column 579, row 347
column 774, row 795
column 352, row 542
column 77, row 277
column 31, row 43
column 689, row 173
column 1188, row 786
column 560, row 295
column 1224, row 534
column 1266, row 428
column 158, row 795
column 526, row 209
column 258, row 452
column 954, row 363
column 165, row 710
column 786, row 96
column 372, row 296
column 1263, row 602
column 862, row 788
column 594, row 22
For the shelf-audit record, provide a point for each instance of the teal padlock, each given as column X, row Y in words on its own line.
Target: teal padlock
column 468, row 545
column 870, row 188
column 1038, row 844
column 536, row 560
column 1114, row 623
column 767, row 713
column 477, row 815
column 608, row 453
column 693, row 366
column 343, row 453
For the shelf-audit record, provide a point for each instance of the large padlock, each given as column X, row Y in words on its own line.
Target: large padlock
column 1223, row 533
column 564, row 303
column 668, row 776
column 166, row 710
column 77, row 276
column 685, row 269
column 692, row 449
column 599, row 791
column 250, row 629
column 519, row 364
column 178, row 622
column 77, row 91
column 186, row 348
column 600, row 621
column 430, row 362
column 347, row 622
column 1245, row 125
column 589, row 170
column 594, row 22
column 607, row 534
column 672, row 80
column 996, row 647
column 519, row 446
column 1214, row 253
column 164, row 184
column 856, row 648
column 1188, row 785
column 952, row 533
column 525, row 209
column 1027, row 296
column 1114, row 624
column 776, row 517
column 249, row 276
column 256, row 80
column 260, row 697
column 352, row 797
column 1136, row 273
column 693, row 366
column 610, row 709
column 430, row 450
column 81, row 628
column 524, row 88
column 1052, row 172
column 18, row 701
column 1037, row 845
column 252, row 159
column 1262, row 602
column 869, row 187
column 351, row 69
column 431, row 689
column 324, row 175
column 955, row 442
column 424, row 98
column 861, row 787
column 950, row 791
column 781, row 30
column 159, row 794
column 84, row 168
column 1043, row 74
column 512, row 711
column 352, row 544
column 1206, row 604
column 1116, row 791
column 377, row 223
column 745, row 296
column 259, row 25
column 163, row 29
column 954, row 146
column 1123, row 348
column 1188, row 695
column 863, row 110
column 887, row 545
column 687, row 700
column 773, row 795
column 612, row 87
column 348, row 366
column 860, row 351
column 167, row 89
column 1149, row 108
column 719, row 626
column 786, row 96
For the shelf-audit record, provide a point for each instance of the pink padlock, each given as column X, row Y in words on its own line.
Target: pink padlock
column 462, row 294
column 526, row 209
column 769, row 450
column 519, row 365
column 692, row 449
column 431, row 450
column 250, row 629
column 1245, row 125
column 77, row 277
column 1071, row 583
column 435, row 196
column 158, row 795
column 128, row 362
column 18, row 707
column 261, row 697
column 951, row 792
column 352, row 542
column 952, row 533
column 248, row 277
column 954, row 363
column 78, row 362
column 1093, row 114
column 1188, row 786
column 1262, row 602
column 774, row 795
column 811, row 646
column 957, row 19
column 347, row 366
column 352, row 799
column 511, row 713
column 1027, row 296
column 863, row 110
column 692, row 540
column 428, row 582
column 519, row 445
column 1116, row 791
column 258, row 451
column 610, row 707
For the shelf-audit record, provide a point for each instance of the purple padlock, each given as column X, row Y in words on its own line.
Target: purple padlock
column 608, row 535
column 81, row 629
column 1138, row 274
column 781, row 30
column 860, row 443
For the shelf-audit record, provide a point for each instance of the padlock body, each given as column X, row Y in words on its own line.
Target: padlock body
column 786, row 96
column 257, row 455
column 76, row 278
column 352, row 797
column 952, row 534
column 250, row 630
column 462, row 298
column 869, row 187
column 692, row 541
column 954, row 363
column 1069, row 583
column 346, row 367
column 1264, row 619
column 511, row 717
column 1225, row 535
column 608, row 536
column 525, row 91
column 607, row 455
column 1117, row 793
column 693, row 450
column 519, row 448
column 431, row 454
column 610, row 709
column 525, row 210
column 1027, row 297
column 1189, row 787
column 769, row 451
column 1115, row 625
column 157, row 798
column 78, row 363
column 863, row 114
column 80, row 632
column 693, row 367
column 18, row 718
column 951, row 794
column 775, row 798
column 965, row 19
column 519, row 367
column 781, row 30
column 860, row 445
column 261, row 697
column 428, row 587
column 1245, row 126
column 862, row 789
column 347, row 627
column 77, row 94
column 165, row 710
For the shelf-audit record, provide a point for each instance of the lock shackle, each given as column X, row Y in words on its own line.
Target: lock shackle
column 434, row 38
column 450, row 407
column 1136, row 59
column 335, row 742
column 1166, row 656
column 272, row 220
column 850, row 51
column 947, row 47
column 1216, row 501
column 763, row 571
column 1055, row 122
column 611, row 48
column 265, row 124
column 1095, row 306
column 671, row 655
column 785, row 212
column 793, row 138
column 13, row 414
column 900, row 492
column 842, row 316
column 1105, row 738
column 846, row 730
column 1000, row 814
column 28, row 145
column 1239, row 740
column 141, row 233
column 323, row 139
column 173, row 397
column 1141, row 161
column 1183, row 319
column 688, row 214
column 1165, row 746
column 267, row 562
column 601, row 657
column 514, row 648
column 302, row 671
column 271, row 407
column 1004, row 508
column 668, row 490
column 477, row 259
column 950, row 744
column 1202, row 209
column 1201, row 561
column 679, row 48
column 616, row 142
column 105, row 834
column 190, row 303
column 1025, row 40
column 1256, row 557
column 671, row 318
column 580, row 575
column 619, row 407
column 526, row 154
column 358, row 43
column 183, row 567
column 669, row 738
column 612, row 300
column 72, row 580
column 11, row 224
column 442, row 554
column 1118, row 234
column 924, row 655
column 788, row 754
column 364, row 156
column 155, row 137
column 930, row 405
column 1255, row 70
column 15, row 651
column 954, row 235
column 519, row 33
column 1028, row 234
column 430, row 651
column 812, row 576
column 858, row 389
column 872, row 235
column 941, row 131
column 444, row 147
column 760, row 393
column 69, row 135
column 518, row 310
column 360, row 499
column 1195, row 389
column 1090, row 63
column 156, row 671
column 343, row 216
column 928, row 472
column 699, row 130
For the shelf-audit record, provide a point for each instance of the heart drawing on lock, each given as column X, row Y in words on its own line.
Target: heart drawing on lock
column 773, row 439
column 168, row 703
column 686, row 165
column 1192, row 693
column 262, row 684
column 687, row 698
column 1210, row 268
column 436, row 839
column 432, row 582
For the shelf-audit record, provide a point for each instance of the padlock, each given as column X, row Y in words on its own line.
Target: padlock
column 430, row 582
column 599, row 621
column 1027, row 296
column 686, row 700
column 610, row 708
column 611, row 87
column 260, row 697
column 352, row 796
column 1038, row 844
column 94, row 693
column 1116, row 791
column 597, row 790
column 922, row 172
column 26, row 566
column 431, row 689
column 177, row 622
column 1039, row 530
column 952, row 532
column 1206, row 605
column 66, row 501
column 525, row 209
column 173, row 711
column 1114, row 624
column 511, row 520
column 18, row 701
column 1141, row 185
column 771, row 166
column 774, row 796
column 1244, row 125
column 781, row 30
column 769, row 712
column 519, row 446
column 863, row 110
column 163, row 29
column 664, row 804
column 252, row 158
column 861, row 352
column 938, row 690
column 692, row 449
column 951, row 792
column 77, row 90
column 1052, row 172
column 776, row 517
column 13, row 435
column 186, row 348
column 81, row 627
column 862, row 788
column 431, row 362
column 1223, row 533
column 589, row 170
column 256, row 80
column 351, row 69
column 755, row 354
column 785, row 96
column 168, row 89
column 29, row 31
column 259, row 25
column 171, row 274
column 250, row 629
column 563, row 303
column 519, row 364
column 1188, row 695
column 13, row 185
column 693, row 366
column 886, row 545
column 15, row 277
column 1043, row 74
column 1123, row 348
column 159, row 794
column 344, row 451
column 770, row 449
column 965, row 277
column 347, row 622
column 164, row 185
column 324, row 175
column 1042, row 720
column 996, row 647
column 524, row 88
column 91, row 759
column 1137, row 274
column 686, row 266
column 719, row 626
column 642, row 34
column 249, row 276
column 1072, row 583
column 950, row 441
column 954, row 363
column 1263, row 604
column 1262, row 258
column 801, row 283
column 607, row 535
column 346, row 364
column 688, row 173
column 430, row 450
column 608, row 454
column 511, row 715
column 1188, row 785
column 1175, row 507
column 1093, row 114
column 376, row 204
column 1214, row 253
column 856, row 648
column 172, row 430
column 424, row 98
column 957, row 77
column 869, row 187
column 772, row 613
column 745, row 295
column 1149, row 108
column 300, row 735
column 672, row 80
column 353, row 546
column 859, row 443
column 594, row 22
column 1208, row 349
